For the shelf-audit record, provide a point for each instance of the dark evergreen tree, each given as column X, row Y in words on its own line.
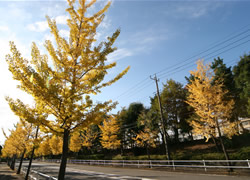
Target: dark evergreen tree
column 128, row 122
column 175, row 109
column 242, row 81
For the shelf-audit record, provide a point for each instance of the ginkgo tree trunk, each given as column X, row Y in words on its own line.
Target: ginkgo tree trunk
column 206, row 96
column 79, row 67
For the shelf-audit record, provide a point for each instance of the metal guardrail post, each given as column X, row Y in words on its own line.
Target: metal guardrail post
column 204, row 163
column 150, row 164
column 248, row 163
column 122, row 163
column 138, row 164
column 173, row 165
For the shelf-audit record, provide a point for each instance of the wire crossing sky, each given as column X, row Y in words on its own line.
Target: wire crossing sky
column 159, row 37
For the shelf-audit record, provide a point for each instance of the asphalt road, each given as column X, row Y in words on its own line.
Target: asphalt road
column 82, row 172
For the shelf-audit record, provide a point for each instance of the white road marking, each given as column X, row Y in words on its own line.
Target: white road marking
column 111, row 176
column 100, row 174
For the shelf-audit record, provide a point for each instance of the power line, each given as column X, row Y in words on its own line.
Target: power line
column 144, row 83
column 218, row 44
column 133, row 87
column 167, row 73
column 177, row 69
column 215, row 52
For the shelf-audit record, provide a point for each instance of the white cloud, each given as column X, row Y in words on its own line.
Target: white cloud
column 119, row 54
column 192, row 9
column 40, row 26
column 147, row 39
column 61, row 19
column 140, row 42
column 4, row 28
column 48, row 37
column 64, row 33
column 106, row 23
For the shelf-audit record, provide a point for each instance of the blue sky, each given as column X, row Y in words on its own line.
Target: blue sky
column 156, row 36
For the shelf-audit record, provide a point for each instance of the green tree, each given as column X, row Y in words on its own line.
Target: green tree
column 147, row 136
column 63, row 90
column 175, row 109
column 127, row 119
column 225, row 74
column 242, row 81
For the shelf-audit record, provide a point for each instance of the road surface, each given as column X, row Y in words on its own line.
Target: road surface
column 77, row 172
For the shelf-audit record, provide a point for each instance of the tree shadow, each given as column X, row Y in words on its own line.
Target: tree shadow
column 7, row 177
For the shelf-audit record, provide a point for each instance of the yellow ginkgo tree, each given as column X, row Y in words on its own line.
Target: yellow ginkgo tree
column 88, row 137
column 18, row 142
column 147, row 136
column 44, row 148
column 109, row 133
column 206, row 96
column 56, row 143
column 75, row 142
column 63, row 90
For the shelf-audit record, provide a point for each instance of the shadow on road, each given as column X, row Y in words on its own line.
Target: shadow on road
column 7, row 177
column 7, row 174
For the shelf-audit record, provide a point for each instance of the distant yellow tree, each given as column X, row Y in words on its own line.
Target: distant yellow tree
column 206, row 97
column 88, row 136
column 56, row 143
column 11, row 145
column 75, row 142
column 17, row 144
column 44, row 148
column 146, row 137
column 109, row 131
column 79, row 67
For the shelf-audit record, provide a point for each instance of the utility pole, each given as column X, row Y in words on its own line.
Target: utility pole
column 163, row 122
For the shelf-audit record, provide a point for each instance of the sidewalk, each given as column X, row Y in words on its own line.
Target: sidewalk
column 7, row 174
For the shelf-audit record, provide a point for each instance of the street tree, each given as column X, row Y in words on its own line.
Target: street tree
column 148, row 133
column 56, row 143
column 75, row 142
column 206, row 96
column 63, row 90
column 44, row 148
column 19, row 141
column 89, row 136
column 109, row 133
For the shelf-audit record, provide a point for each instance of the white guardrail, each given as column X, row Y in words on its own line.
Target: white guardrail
column 205, row 164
